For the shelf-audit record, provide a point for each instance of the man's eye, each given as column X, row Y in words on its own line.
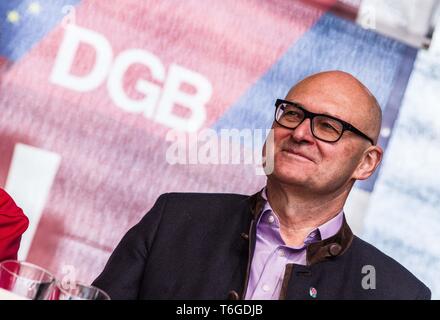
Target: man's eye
column 328, row 126
column 292, row 113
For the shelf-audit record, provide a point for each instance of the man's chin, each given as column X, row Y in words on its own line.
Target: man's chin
column 297, row 178
column 294, row 166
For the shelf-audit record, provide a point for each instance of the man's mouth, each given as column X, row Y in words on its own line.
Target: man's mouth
column 293, row 152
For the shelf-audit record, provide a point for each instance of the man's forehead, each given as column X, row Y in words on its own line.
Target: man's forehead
column 333, row 82
column 332, row 94
column 331, row 105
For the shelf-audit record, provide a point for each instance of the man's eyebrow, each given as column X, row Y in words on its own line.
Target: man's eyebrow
column 331, row 115
column 324, row 113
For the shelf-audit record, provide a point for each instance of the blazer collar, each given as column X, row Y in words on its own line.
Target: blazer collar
column 319, row 251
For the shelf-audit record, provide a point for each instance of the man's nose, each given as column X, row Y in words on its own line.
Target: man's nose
column 303, row 132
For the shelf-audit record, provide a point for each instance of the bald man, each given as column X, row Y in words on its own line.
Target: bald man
column 288, row 241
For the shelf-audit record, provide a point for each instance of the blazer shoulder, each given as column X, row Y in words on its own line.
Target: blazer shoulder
column 181, row 200
column 198, row 196
column 178, row 208
column 394, row 273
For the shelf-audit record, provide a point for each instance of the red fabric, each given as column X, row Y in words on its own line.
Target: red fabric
column 13, row 223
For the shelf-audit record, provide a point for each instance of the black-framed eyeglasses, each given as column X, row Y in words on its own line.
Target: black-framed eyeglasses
column 324, row 127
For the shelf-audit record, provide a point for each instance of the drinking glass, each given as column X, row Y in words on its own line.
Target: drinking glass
column 23, row 280
column 78, row 291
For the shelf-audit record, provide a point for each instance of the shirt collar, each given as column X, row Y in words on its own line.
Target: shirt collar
column 322, row 232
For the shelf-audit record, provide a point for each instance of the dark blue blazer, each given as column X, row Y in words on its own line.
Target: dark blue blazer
column 200, row 246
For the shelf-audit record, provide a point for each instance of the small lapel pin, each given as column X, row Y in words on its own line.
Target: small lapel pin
column 313, row 292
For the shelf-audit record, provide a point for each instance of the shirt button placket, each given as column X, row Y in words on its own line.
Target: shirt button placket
column 271, row 219
column 281, row 253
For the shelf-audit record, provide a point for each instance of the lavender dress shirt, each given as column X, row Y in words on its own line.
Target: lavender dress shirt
column 272, row 254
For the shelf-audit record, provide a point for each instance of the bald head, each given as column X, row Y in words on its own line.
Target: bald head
column 347, row 97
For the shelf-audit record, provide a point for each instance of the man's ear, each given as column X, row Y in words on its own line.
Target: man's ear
column 369, row 162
